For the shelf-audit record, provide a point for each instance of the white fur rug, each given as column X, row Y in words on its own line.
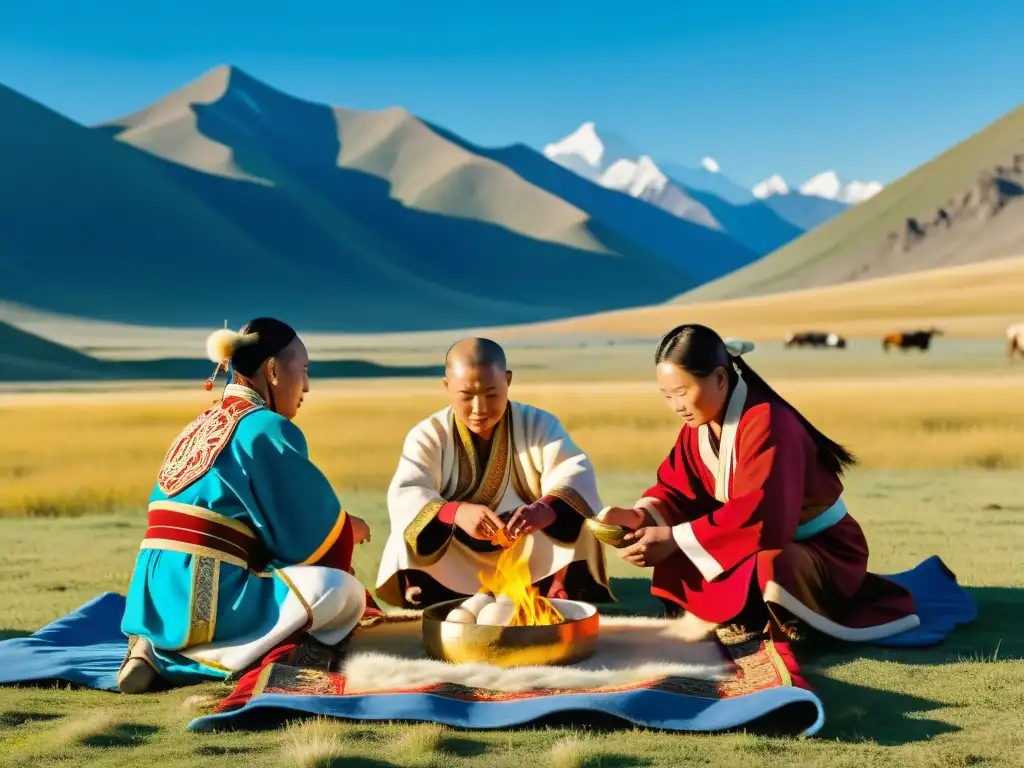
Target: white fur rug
column 630, row 650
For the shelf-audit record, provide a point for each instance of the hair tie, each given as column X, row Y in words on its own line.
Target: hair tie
column 738, row 347
column 220, row 346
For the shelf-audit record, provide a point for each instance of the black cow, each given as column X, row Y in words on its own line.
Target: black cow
column 815, row 339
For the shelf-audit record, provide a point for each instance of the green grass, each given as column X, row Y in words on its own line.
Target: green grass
column 955, row 705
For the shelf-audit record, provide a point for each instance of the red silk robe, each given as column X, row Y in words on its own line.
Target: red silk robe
column 745, row 539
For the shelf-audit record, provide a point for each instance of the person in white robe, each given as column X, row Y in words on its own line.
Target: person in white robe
column 481, row 465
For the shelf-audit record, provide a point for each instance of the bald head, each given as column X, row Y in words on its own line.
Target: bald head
column 477, row 380
column 475, row 353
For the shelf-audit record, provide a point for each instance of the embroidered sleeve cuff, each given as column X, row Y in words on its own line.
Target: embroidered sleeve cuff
column 328, row 543
column 649, row 504
column 569, row 497
column 427, row 536
column 336, row 551
column 568, row 522
column 700, row 557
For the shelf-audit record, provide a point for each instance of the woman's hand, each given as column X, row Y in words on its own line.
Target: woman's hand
column 623, row 516
column 649, row 546
column 360, row 530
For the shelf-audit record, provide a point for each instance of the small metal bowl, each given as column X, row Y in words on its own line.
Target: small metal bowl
column 566, row 643
column 607, row 534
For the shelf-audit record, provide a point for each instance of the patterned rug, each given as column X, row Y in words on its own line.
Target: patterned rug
column 643, row 673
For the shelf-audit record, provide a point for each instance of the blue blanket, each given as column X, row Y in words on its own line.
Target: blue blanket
column 86, row 647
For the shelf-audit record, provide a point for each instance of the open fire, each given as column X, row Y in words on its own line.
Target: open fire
column 507, row 597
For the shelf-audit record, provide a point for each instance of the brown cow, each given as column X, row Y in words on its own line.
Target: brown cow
column 907, row 339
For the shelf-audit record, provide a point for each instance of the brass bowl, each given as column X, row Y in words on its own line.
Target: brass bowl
column 566, row 643
column 607, row 534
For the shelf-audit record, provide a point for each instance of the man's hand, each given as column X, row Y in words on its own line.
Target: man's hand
column 649, row 546
column 535, row 517
column 360, row 530
column 478, row 521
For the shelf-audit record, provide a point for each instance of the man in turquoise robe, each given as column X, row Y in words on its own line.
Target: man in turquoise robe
column 247, row 545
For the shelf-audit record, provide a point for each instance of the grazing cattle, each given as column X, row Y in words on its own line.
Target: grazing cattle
column 815, row 339
column 909, row 339
column 1015, row 336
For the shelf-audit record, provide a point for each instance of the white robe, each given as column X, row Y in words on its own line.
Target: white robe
column 439, row 464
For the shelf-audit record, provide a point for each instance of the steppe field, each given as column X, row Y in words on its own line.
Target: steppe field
column 940, row 437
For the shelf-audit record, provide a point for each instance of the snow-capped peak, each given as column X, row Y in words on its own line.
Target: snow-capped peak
column 643, row 180
column 858, row 191
column 583, row 142
column 587, row 151
column 635, row 178
column 710, row 165
column 829, row 186
column 825, row 184
column 773, row 185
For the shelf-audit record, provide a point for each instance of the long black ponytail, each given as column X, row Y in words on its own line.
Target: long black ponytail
column 700, row 351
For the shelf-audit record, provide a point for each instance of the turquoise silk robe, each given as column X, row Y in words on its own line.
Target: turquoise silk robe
column 243, row 466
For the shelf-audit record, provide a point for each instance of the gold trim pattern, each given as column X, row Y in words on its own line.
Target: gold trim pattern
column 573, row 498
column 466, row 459
column 469, row 464
column 204, row 514
column 485, row 485
column 261, row 681
column 419, row 524
column 205, row 590
column 195, row 550
column 492, row 485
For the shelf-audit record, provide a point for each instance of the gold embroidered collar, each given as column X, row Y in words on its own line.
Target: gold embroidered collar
column 246, row 393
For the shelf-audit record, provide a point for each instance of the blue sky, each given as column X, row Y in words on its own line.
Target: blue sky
column 870, row 89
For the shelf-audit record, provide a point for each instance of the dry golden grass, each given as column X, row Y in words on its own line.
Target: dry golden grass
column 571, row 751
column 75, row 455
column 978, row 300
column 314, row 743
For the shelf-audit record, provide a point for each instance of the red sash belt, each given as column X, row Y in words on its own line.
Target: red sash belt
column 197, row 531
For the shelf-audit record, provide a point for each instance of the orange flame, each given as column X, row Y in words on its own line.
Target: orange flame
column 511, row 577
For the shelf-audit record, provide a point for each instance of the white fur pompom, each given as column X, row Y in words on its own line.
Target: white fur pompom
column 738, row 347
column 221, row 344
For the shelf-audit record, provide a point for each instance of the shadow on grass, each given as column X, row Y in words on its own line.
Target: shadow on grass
column 212, row 750
column 462, row 746
column 634, row 598
column 16, row 719
column 121, row 735
column 996, row 635
column 856, row 713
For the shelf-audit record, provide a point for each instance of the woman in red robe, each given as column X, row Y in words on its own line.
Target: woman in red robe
column 746, row 527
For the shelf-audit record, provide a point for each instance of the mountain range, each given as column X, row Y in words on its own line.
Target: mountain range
column 756, row 217
column 964, row 206
column 228, row 198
